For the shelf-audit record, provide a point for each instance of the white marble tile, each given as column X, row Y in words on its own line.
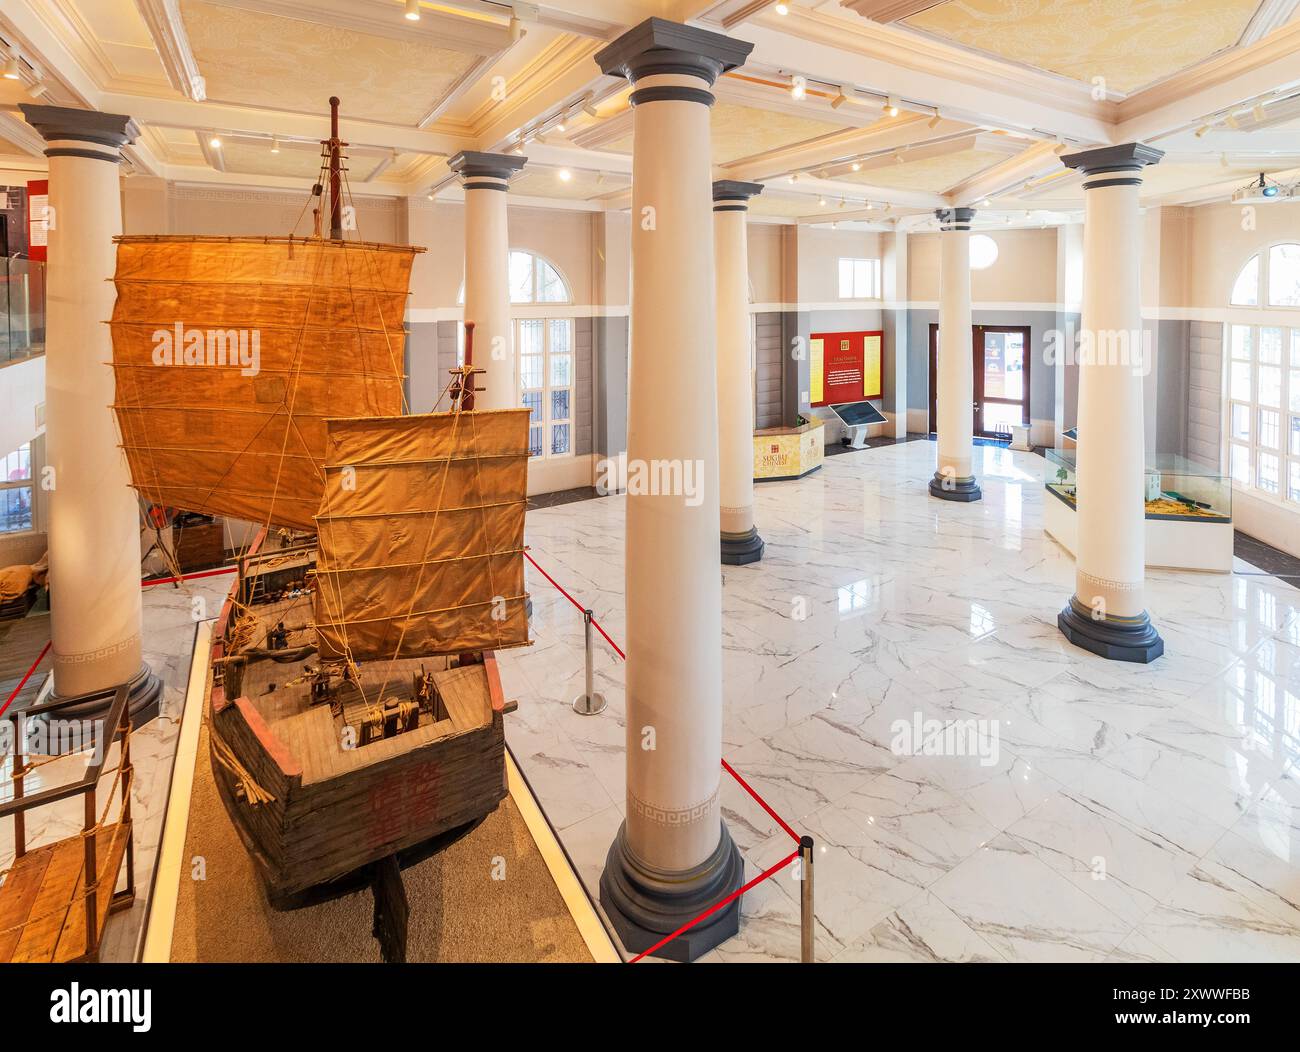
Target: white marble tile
column 923, row 931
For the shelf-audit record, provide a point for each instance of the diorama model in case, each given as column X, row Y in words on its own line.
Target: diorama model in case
column 356, row 709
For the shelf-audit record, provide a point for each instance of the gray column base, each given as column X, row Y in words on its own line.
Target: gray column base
column 741, row 548
column 945, row 487
column 645, row 904
column 1134, row 639
column 144, row 697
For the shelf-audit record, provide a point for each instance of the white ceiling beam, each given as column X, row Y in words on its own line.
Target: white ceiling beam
column 571, row 75
column 29, row 21
column 885, row 11
column 21, row 134
column 960, row 84
column 1271, row 15
column 167, row 28
column 1038, row 160
column 1222, row 83
column 212, row 154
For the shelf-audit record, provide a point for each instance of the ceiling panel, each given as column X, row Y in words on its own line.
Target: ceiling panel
column 1131, row 43
column 283, row 63
column 931, row 174
column 536, row 181
column 743, row 131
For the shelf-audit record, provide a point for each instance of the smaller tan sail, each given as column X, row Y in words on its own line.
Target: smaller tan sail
column 421, row 532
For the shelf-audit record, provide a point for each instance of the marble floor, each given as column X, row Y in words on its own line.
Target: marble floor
column 171, row 614
column 1119, row 812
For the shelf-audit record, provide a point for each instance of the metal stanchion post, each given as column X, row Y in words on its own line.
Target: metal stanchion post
column 589, row 703
column 807, row 925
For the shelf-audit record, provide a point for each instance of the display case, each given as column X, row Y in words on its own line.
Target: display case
column 1188, row 510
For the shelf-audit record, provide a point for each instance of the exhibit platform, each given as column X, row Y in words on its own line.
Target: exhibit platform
column 788, row 453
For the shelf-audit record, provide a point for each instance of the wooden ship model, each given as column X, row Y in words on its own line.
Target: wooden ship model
column 356, row 710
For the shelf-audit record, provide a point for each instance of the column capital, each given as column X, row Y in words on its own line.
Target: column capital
column 954, row 218
column 733, row 195
column 471, row 164
column 659, row 46
column 1129, row 157
column 67, row 124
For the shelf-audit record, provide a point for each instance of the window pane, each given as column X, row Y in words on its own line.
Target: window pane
column 1270, row 423
column 1293, row 481
column 16, row 509
column 1245, row 292
column 1241, row 422
column 1267, row 477
column 1239, row 389
column 1241, row 465
column 532, row 400
column 559, row 439
column 1284, row 276
column 530, row 337
column 1295, row 348
column 535, row 441
column 1270, row 346
column 1240, row 342
column 559, row 405
column 561, row 370
column 561, row 336
column 1270, row 385
column 550, row 286
column 1295, row 436
column 521, row 277
column 846, row 279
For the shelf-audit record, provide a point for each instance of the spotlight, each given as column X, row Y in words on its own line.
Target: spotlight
column 985, row 203
column 794, row 177
column 870, row 206
column 516, row 30
column 821, row 201
column 782, row 9
column 798, row 88
column 842, row 205
column 589, row 108
column 1223, row 160
column 413, row 10
column 275, row 145
column 565, row 175
column 1259, row 113
column 1231, row 121
column 561, row 127
column 891, row 107
column 38, row 89
column 857, row 166
column 11, row 68
column 898, row 157
column 839, row 99
column 1202, row 131
column 215, row 142
column 934, row 121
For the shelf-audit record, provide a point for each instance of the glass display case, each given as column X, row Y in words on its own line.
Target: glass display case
column 1176, row 488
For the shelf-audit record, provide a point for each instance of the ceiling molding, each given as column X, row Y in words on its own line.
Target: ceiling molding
column 885, row 11
column 212, row 154
column 1032, row 163
column 462, row 84
column 167, row 28
column 1272, row 14
column 22, row 134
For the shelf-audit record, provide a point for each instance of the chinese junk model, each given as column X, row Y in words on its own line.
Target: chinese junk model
column 356, row 709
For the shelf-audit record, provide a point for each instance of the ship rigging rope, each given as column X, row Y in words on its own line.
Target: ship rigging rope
column 121, row 788
column 249, row 786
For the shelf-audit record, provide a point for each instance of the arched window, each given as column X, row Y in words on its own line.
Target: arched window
column 1245, row 290
column 1284, row 276
column 533, row 279
column 1262, row 378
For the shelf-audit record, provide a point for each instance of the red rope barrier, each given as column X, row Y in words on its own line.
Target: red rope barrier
column 714, row 909
column 761, row 802
column 189, row 576
column 595, row 624
column 22, row 682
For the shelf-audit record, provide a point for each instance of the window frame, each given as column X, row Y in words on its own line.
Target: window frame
column 29, row 484
column 1288, row 423
column 548, row 389
column 874, row 279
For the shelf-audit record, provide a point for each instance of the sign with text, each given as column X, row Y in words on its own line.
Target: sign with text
column 845, row 367
column 38, row 199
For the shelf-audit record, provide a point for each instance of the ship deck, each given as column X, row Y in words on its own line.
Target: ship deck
column 313, row 735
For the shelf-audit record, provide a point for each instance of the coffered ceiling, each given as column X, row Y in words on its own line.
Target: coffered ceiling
column 911, row 104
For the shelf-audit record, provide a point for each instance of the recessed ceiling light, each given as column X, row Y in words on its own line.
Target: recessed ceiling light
column 215, row 142
column 413, row 10
column 782, row 9
column 565, row 175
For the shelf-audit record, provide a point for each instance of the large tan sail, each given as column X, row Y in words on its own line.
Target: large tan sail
column 229, row 353
column 421, row 531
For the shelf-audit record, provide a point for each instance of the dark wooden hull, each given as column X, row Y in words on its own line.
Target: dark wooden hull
column 323, row 815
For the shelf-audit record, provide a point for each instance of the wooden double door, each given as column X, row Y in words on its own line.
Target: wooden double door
column 1001, row 362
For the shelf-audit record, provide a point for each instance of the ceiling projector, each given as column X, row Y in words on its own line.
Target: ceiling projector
column 1262, row 191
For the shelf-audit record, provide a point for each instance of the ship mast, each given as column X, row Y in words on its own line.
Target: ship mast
column 336, row 178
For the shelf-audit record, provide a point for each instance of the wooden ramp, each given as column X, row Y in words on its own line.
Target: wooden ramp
column 21, row 643
column 42, row 907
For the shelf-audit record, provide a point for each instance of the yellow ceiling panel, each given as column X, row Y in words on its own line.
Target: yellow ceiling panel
column 257, row 159
column 743, row 131
column 284, row 63
column 581, row 185
column 930, row 174
column 1130, row 43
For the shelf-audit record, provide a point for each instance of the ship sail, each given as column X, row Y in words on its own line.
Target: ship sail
column 229, row 353
column 421, row 531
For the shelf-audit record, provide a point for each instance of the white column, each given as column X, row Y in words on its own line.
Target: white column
column 896, row 325
column 93, row 514
column 486, row 179
column 1107, row 614
column 673, row 857
column 955, row 398
column 741, row 543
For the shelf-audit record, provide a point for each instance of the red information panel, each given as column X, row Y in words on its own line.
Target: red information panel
column 846, row 367
column 37, row 198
